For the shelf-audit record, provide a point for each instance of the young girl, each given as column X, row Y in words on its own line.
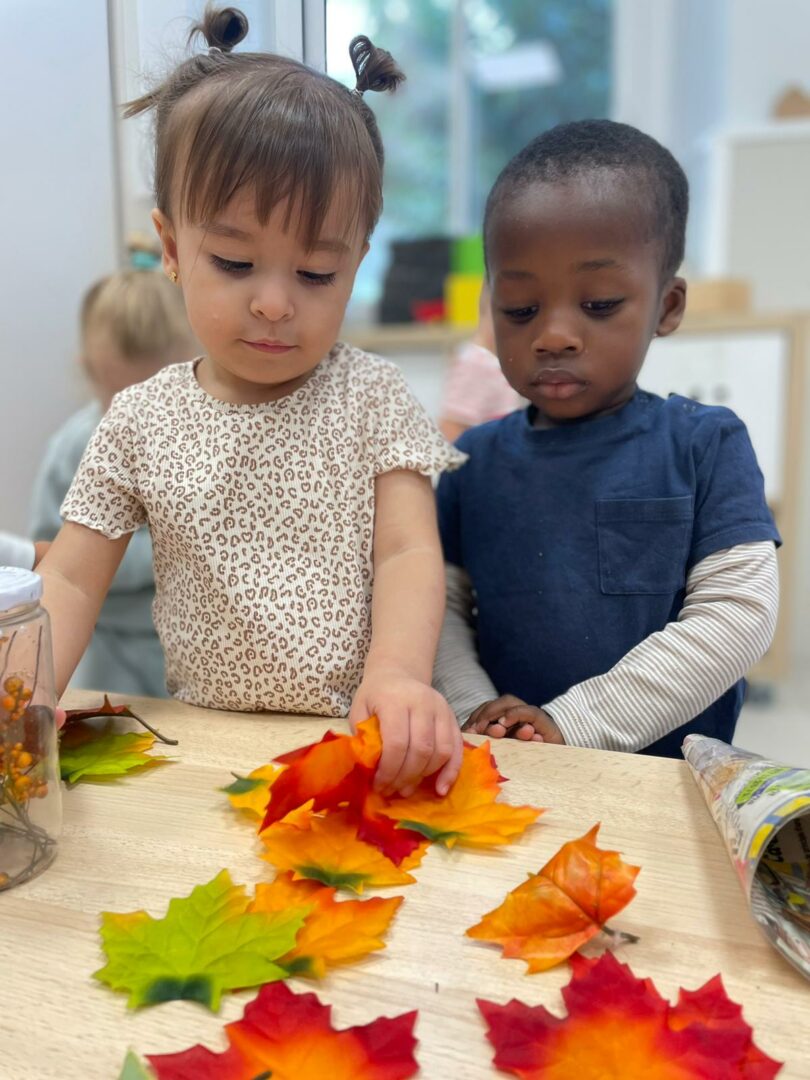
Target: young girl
column 284, row 477
column 611, row 558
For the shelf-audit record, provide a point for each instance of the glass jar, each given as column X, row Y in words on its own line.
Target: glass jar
column 30, row 794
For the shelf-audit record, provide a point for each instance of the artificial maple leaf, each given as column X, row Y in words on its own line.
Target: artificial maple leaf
column 333, row 932
column 290, row 1036
column 326, row 849
column 207, row 942
column 547, row 918
column 251, row 793
column 106, row 708
column 468, row 814
column 133, row 1069
column 394, row 840
column 338, row 769
column 619, row 1028
column 84, row 751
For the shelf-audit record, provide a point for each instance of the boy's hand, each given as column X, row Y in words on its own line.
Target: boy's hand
column 420, row 733
column 509, row 717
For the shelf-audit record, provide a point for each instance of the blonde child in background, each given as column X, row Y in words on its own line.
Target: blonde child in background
column 285, row 476
column 132, row 324
column 476, row 390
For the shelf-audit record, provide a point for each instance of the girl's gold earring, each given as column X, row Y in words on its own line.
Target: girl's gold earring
column 173, row 276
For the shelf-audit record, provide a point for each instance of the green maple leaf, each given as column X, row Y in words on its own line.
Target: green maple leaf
column 206, row 943
column 242, row 785
column 108, row 754
column 134, row 1069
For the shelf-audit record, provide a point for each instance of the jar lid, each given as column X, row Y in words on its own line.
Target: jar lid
column 18, row 586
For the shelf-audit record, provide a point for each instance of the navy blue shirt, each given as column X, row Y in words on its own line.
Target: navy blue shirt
column 578, row 539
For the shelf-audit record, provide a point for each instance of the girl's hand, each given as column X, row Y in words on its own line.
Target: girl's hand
column 420, row 733
column 509, row 717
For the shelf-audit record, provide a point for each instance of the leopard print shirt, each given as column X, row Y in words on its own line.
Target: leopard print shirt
column 262, row 520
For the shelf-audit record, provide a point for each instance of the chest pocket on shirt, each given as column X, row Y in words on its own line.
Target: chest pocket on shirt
column 643, row 544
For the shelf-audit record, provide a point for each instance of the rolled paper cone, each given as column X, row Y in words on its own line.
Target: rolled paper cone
column 762, row 810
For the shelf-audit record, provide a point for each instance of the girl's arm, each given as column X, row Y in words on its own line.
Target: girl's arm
column 457, row 673
column 725, row 625
column 419, row 731
column 76, row 573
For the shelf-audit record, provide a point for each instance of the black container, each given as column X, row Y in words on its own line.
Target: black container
column 416, row 274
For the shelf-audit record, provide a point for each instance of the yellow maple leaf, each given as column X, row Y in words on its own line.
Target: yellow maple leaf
column 251, row 793
column 469, row 813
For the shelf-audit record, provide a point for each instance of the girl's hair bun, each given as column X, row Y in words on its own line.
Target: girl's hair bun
column 375, row 68
column 222, row 28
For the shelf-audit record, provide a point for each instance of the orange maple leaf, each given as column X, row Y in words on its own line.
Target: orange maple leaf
column 619, row 1028
column 326, row 849
column 290, row 1036
column 468, row 814
column 547, row 918
column 333, row 932
column 337, row 770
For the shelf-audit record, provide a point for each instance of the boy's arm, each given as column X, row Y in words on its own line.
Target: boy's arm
column 76, row 573
column 419, row 731
column 725, row 625
column 457, row 673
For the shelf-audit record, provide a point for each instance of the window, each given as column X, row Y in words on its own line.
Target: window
column 483, row 78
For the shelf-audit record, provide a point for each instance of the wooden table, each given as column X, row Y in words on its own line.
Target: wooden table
column 138, row 842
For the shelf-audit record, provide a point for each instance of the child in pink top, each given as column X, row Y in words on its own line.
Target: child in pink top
column 476, row 389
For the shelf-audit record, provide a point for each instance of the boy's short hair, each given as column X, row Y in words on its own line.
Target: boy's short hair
column 587, row 146
column 141, row 310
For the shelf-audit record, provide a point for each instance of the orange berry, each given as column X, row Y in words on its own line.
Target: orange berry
column 24, row 760
column 26, row 694
column 13, row 684
column 8, row 703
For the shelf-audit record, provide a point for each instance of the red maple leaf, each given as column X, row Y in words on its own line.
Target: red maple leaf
column 339, row 769
column 290, row 1036
column 619, row 1028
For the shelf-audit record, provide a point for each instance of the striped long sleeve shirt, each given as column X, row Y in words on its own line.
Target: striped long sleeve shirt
column 725, row 625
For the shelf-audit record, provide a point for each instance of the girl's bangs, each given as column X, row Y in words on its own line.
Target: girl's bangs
column 288, row 150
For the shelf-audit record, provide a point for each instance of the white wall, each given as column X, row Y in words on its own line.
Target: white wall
column 768, row 47
column 150, row 40
column 58, row 212
column 685, row 70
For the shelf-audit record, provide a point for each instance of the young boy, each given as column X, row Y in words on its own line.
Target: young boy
column 132, row 324
column 610, row 556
